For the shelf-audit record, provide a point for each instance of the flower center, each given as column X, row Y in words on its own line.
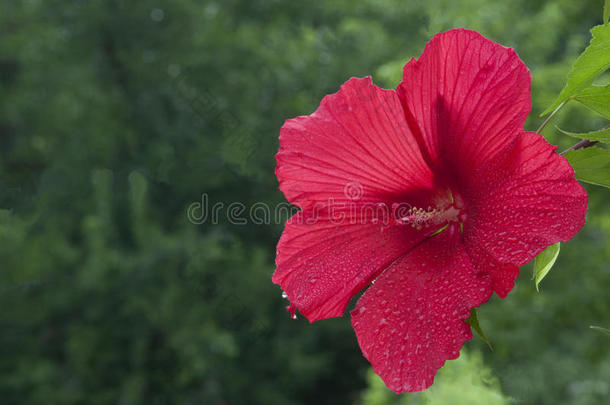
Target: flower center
column 446, row 210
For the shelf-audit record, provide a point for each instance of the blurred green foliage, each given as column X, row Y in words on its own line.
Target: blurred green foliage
column 116, row 115
column 464, row 381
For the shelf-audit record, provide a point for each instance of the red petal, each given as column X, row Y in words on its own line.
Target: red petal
column 525, row 200
column 321, row 266
column 465, row 97
column 503, row 275
column 358, row 138
column 412, row 319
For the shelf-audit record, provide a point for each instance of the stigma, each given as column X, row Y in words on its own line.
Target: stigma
column 447, row 211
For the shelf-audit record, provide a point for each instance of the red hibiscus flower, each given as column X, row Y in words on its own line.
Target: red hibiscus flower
column 470, row 196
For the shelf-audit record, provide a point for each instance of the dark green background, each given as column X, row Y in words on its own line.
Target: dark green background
column 116, row 116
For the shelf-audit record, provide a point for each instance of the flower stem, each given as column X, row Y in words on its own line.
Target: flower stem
column 585, row 143
column 548, row 119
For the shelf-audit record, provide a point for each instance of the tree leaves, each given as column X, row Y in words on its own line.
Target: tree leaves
column 597, row 98
column 544, row 262
column 474, row 324
column 591, row 165
column 603, row 135
column 590, row 64
column 602, row 330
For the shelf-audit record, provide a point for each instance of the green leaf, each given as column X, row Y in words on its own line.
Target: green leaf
column 474, row 324
column 603, row 135
column 594, row 61
column 596, row 98
column 544, row 262
column 606, row 11
column 602, row 330
column 591, row 165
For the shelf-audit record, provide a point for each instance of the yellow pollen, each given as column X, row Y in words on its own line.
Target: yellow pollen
column 418, row 217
